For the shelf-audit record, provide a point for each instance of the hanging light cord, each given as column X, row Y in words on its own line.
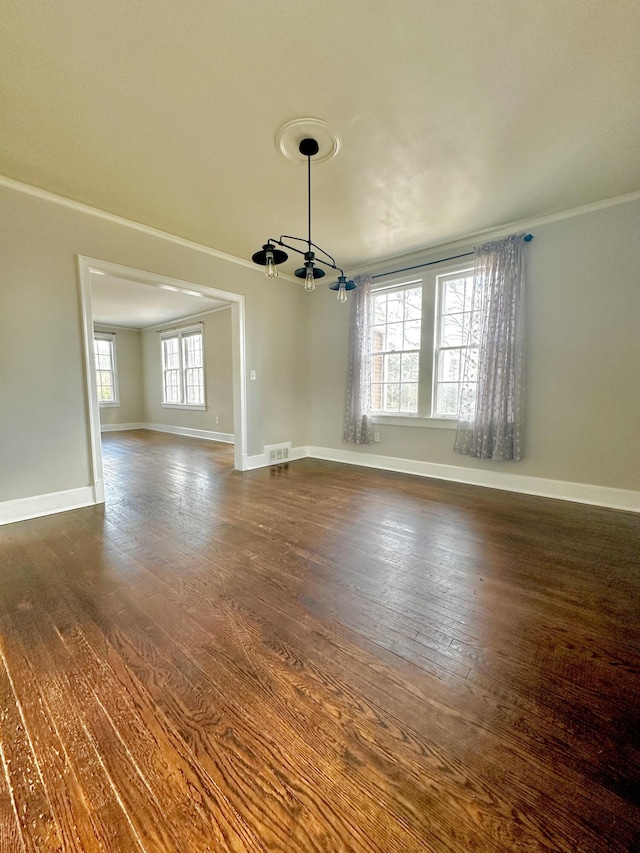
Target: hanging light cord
column 309, row 196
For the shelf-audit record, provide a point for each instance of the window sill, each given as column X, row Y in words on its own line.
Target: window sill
column 184, row 406
column 414, row 421
column 108, row 404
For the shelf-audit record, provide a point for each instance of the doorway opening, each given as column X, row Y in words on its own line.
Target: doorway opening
column 125, row 281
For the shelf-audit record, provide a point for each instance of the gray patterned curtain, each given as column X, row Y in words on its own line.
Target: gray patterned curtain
column 358, row 428
column 490, row 418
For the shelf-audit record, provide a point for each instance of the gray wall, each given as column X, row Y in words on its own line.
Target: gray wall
column 583, row 360
column 583, row 348
column 44, row 420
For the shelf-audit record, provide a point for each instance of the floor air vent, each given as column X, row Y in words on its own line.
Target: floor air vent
column 277, row 453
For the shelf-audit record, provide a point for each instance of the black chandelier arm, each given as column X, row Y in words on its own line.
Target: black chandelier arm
column 281, row 242
column 310, row 243
column 326, row 254
column 332, row 265
column 326, row 263
column 291, row 237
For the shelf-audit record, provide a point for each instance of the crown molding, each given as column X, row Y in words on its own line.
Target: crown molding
column 158, row 327
column 466, row 240
column 79, row 207
column 111, row 327
column 419, row 254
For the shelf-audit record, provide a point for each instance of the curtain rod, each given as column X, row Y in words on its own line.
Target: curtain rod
column 527, row 238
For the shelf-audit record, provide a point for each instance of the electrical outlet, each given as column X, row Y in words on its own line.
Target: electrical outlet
column 217, row 419
column 376, row 437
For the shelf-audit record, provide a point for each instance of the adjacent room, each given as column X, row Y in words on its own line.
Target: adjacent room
column 162, row 357
column 326, row 542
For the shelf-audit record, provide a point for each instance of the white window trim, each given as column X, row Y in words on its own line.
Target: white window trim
column 191, row 406
column 388, row 286
column 425, row 418
column 179, row 332
column 439, row 287
column 395, row 420
column 115, row 403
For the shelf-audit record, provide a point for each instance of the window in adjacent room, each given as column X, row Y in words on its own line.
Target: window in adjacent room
column 183, row 368
column 418, row 328
column 104, row 351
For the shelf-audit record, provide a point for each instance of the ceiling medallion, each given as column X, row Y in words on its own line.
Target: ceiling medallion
column 291, row 134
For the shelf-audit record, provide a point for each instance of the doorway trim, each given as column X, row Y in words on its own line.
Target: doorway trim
column 85, row 266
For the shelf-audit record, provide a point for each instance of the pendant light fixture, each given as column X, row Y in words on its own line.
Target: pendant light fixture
column 270, row 255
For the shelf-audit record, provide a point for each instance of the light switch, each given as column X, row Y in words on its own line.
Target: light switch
column 253, row 375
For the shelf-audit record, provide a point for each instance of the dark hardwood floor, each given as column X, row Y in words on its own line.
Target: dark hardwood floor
column 316, row 658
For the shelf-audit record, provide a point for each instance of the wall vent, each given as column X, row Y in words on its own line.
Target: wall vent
column 277, row 453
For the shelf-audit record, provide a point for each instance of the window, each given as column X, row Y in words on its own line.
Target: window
column 418, row 355
column 183, row 368
column 395, row 347
column 452, row 357
column 104, row 353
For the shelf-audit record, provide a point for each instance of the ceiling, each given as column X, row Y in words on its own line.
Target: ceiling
column 454, row 116
column 132, row 305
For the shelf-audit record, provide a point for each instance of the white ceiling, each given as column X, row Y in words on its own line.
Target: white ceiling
column 454, row 116
column 133, row 305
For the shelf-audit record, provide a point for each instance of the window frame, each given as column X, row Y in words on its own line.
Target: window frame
column 389, row 289
column 180, row 334
column 438, row 347
column 430, row 280
column 110, row 338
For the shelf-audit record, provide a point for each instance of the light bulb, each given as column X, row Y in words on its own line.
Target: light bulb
column 309, row 281
column 342, row 293
column 271, row 270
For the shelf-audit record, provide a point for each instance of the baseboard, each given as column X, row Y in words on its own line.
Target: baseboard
column 207, row 435
column 622, row 499
column 118, row 427
column 25, row 508
column 566, row 491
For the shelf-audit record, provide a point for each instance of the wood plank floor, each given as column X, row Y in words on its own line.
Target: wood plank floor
column 316, row 658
